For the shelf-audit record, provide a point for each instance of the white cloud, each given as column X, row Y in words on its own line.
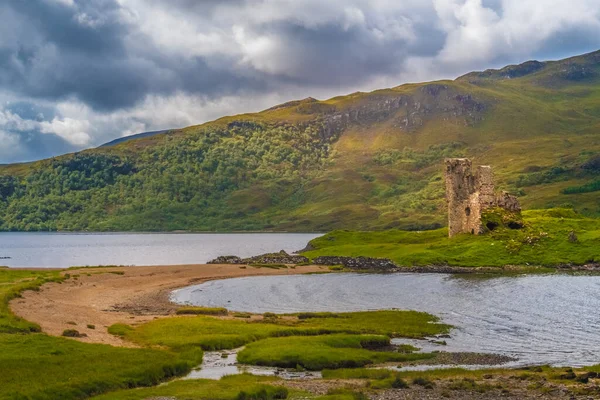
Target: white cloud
column 11, row 121
column 74, row 131
column 9, row 144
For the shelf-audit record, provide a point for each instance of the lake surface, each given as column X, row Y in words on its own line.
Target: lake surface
column 78, row 249
column 548, row 319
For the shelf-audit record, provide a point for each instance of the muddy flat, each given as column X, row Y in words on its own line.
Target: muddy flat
column 93, row 299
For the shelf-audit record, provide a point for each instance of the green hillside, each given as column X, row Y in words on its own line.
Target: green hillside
column 362, row 161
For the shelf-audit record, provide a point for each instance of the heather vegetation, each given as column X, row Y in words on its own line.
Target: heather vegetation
column 364, row 161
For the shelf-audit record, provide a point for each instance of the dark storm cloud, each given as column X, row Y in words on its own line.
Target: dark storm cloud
column 92, row 27
column 82, row 51
column 335, row 55
column 76, row 73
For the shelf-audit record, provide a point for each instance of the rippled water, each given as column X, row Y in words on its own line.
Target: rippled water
column 71, row 249
column 549, row 319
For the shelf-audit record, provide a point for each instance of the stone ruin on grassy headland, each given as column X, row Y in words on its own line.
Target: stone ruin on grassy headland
column 473, row 205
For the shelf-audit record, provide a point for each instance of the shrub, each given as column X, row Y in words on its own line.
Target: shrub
column 263, row 393
column 399, row 383
column 426, row 383
column 73, row 333
column 593, row 186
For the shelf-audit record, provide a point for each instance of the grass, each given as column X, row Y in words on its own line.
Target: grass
column 544, row 241
column 235, row 387
column 36, row 366
column 202, row 311
column 307, row 340
column 319, row 352
column 12, row 283
column 210, row 333
column 43, row 367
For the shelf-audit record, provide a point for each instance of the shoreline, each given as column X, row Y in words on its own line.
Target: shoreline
column 103, row 296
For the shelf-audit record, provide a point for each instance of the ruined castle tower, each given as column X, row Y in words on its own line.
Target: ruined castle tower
column 469, row 194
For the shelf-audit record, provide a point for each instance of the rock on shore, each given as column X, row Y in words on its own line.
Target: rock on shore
column 270, row 258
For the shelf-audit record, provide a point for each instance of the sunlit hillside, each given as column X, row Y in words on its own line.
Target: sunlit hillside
column 361, row 161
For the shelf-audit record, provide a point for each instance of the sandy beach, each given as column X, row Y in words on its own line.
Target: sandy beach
column 100, row 297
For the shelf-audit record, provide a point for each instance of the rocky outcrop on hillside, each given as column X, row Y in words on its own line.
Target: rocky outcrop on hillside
column 409, row 112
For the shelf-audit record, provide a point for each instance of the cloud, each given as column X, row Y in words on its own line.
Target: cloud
column 77, row 73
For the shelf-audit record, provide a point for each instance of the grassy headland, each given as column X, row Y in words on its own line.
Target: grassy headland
column 549, row 238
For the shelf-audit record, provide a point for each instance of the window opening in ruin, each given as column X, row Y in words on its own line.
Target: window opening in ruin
column 491, row 225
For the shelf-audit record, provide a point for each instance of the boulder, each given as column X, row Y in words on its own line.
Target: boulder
column 357, row 263
column 226, row 260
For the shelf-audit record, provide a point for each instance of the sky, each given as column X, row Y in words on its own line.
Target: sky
column 78, row 73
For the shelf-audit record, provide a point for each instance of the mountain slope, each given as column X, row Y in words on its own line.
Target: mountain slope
column 131, row 137
column 362, row 161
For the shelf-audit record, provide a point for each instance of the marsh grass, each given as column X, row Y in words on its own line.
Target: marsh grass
column 202, row 311
column 319, row 352
column 42, row 367
column 234, row 387
column 12, row 284
column 211, row 333
column 37, row 366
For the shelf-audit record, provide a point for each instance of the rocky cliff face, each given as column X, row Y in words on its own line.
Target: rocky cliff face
column 406, row 112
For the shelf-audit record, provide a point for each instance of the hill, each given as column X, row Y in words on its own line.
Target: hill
column 361, row 161
column 131, row 137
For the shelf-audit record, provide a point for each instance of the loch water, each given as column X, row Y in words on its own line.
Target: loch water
column 61, row 250
column 539, row 319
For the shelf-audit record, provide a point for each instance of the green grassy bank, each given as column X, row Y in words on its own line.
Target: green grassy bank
column 36, row 366
column 313, row 341
column 545, row 240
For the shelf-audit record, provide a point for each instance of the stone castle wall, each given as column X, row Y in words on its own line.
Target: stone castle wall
column 469, row 194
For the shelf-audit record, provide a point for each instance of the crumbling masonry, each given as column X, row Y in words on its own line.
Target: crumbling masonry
column 469, row 194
